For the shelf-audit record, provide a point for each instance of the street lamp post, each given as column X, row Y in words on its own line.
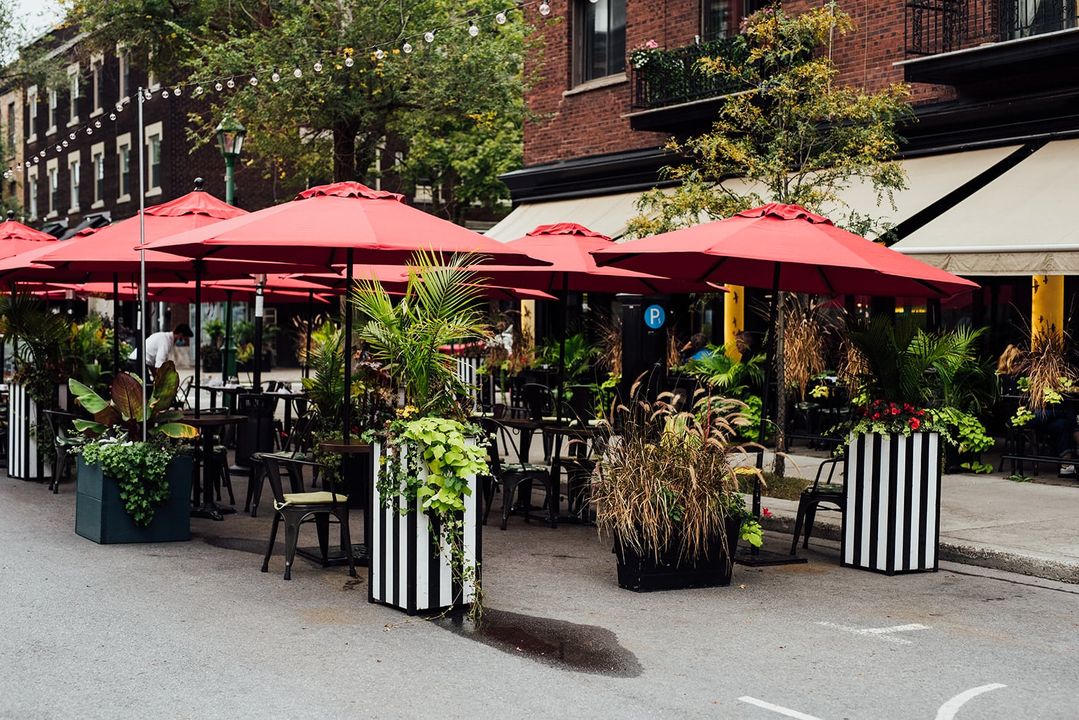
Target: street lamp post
column 230, row 140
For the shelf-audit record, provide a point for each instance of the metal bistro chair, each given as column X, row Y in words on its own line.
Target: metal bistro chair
column 515, row 480
column 297, row 508
column 64, row 445
column 814, row 495
column 297, row 447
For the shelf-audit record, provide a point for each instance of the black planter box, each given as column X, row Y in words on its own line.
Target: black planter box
column 100, row 515
column 644, row 574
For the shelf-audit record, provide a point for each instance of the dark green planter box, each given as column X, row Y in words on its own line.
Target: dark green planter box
column 100, row 515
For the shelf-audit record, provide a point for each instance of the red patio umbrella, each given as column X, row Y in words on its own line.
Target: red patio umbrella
column 394, row 278
column 783, row 247
column 339, row 224
column 17, row 238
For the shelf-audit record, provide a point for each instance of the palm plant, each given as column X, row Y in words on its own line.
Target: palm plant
column 326, row 385
column 727, row 376
column 44, row 341
column 441, row 306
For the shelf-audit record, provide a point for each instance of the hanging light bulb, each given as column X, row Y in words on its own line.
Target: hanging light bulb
column 149, row 94
column 407, row 48
column 276, row 76
column 64, row 143
column 218, row 87
column 176, row 91
column 27, row 163
column 165, row 94
column 41, row 154
column 253, row 82
column 112, row 116
column 297, row 73
column 544, row 9
column 36, row 160
column 349, row 62
column 119, row 107
column 429, row 36
column 71, row 136
column 97, row 123
column 318, row 66
column 57, row 148
column 500, row 18
column 379, row 54
column 231, row 84
column 89, row 131
column 198, row 90
column 473, row 29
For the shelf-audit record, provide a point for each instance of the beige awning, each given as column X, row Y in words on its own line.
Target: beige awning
column 607, row 214
column 1019, row 224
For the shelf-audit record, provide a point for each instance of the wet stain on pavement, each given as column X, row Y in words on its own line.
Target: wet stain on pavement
column 247, row 545
column 557, row 643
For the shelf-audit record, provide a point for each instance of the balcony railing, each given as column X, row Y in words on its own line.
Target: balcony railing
column 938, row 26
column 669, row 77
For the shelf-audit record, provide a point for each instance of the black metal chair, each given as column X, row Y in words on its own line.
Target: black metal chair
column 181, row 401
column 297, row 446
column 63, row 445
column 812, row 497
column 515, row 479
column 296, row 508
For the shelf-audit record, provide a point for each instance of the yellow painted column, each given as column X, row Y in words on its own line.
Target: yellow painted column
column 528, row 322
column 734, row 319
column 1046, row 304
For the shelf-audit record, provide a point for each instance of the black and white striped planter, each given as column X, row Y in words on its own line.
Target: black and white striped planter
column 406, row 569
column 891, row 518
column 25, row 460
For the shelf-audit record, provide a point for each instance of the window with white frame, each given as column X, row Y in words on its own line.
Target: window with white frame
column 10, row 130
column 52, row 174
column 97, row 163
column 97, row 64
column 123, row 165
column 54, row 110
column 73, row 94
column 599, row 38
column 123, row 56
column 31, row 114
column 74, row 168
column 153, row 159
column 31, row 192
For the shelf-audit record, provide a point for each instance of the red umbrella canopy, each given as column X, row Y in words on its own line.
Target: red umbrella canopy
column 569, row 247
column 13, row 230
column 113, row 249
column 809, row 253
column 334, row 224
column 394, row 278
column 185, row 292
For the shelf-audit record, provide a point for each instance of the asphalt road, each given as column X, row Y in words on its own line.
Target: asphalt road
column 193, row 630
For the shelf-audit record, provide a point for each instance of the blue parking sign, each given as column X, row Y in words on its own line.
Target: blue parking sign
column 655, row 316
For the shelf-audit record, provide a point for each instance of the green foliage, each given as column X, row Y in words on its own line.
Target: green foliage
column 125, row 411
column 44, row 346
column 90, row 350
column 794, row 136
column 966, row 431
column 580, row 355
column 735, row 379
column 441, row 306
column 456, row 106
column 140, row 469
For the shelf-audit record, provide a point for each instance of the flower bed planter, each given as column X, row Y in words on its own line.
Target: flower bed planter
column 26, row 459
column 644, row 574
column 891, row 519
column 407, row 570
column 100, row 515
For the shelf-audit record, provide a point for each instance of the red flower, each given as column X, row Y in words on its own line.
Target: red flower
column 766, row 513
column 915, row 423
column 895, row 410
column 921, row 413
column 876, row 416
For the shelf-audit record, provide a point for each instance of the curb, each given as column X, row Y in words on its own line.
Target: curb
column 952, row 552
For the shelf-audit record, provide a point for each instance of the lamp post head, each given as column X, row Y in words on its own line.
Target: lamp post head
column 230, row 137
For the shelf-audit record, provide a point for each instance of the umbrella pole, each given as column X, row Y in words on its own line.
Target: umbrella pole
column 562, row 349
column 142, row 257
column 257, row 379
column 226, row 353
column 348, row 348
column 198, row 338
column 310, row 322
column 115, row 325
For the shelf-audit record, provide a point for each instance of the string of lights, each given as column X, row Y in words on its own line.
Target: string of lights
column 204, row 87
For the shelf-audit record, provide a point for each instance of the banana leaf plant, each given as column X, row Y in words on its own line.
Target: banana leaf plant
column 125, row 410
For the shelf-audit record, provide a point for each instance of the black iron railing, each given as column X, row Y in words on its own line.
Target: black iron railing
column 938, row 26
column 670, row 77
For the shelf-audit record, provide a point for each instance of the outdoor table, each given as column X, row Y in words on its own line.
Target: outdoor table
column 525, row 428
column 229, row 393
column 290, row 397
column 579, row 435
column 208, row 425
column 356, row 479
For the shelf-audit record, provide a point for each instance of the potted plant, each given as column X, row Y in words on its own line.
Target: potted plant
column 666, row 492
column 131, row 487
column 425, row 535
column 905, row 384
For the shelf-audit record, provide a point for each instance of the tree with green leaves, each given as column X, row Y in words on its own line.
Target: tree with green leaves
column 791, row 134
column 367, row 75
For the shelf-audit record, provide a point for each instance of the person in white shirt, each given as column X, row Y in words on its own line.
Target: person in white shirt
column 160, row 344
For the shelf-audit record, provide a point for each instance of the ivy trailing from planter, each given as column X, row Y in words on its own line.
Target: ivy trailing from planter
column 140, row 469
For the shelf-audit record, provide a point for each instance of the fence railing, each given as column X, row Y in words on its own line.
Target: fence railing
column 938, row 26
column 669, row 77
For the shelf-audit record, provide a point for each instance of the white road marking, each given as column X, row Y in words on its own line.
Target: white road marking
column 884, row 633
column 949, row 709
column 777, row 708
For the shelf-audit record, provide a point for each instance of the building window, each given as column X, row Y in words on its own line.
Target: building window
column 123, row 150
column 600, row 40
column 124, row 58
column 54, row 189
column 723, row 18
column 153, row 159
column 95, row 83
column 31, row 114
column 10, row 135
column 97, row 160
column 73, row 173
column 73, row 93
column 31, row 192
column 54, row 110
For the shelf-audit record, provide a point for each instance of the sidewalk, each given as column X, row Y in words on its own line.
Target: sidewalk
column 985, row 520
